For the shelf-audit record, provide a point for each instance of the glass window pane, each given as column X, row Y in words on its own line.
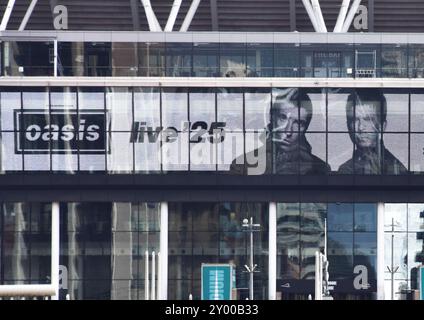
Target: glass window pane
column 174, row 109
column 416, row 61
column 124, row 59
column 70, row 59
column 147, row 107
column 340, row 254
column 365, row 217
column 204, row 216
column 394, row 60
column 230, row 152
column 119, row 109
column 38, row 134
column 9, row 160
column 28, row 58
column 257, row 110
column 314, row 101
column 175, row 152
column 368, row 61
column 395, row 161
column 286, row 60
column 258, row 156
column 396, row 249
column 230, row 110
column 203, row 155
column 232, row 60
column 259, row 60
column 340, row 153
column 313, row 155
column 339, row 100
column 151, row 59
column 180, row 219
column 178, row 59
column 10, row 104
column 397, row 112
column 395, row 213
column 149, row 216
column 64, row 114
column 146, row 130
column 417, row 153
column 205, row 60
column 92, row 101
column 417, row 112
column 365, row 244
column 415, row 217
column 340, row 217
column 148, row 152
column 120, row 158
column 98, row 59
column 415, row 258
column 202, row 107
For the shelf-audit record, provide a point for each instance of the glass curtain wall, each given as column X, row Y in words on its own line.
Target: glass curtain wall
column 351, row 243
column 25, row 242
column 403, row 249
column 103, row 248
column 212, row 233
column 242, row 131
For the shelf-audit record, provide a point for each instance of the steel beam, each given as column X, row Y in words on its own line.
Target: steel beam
column 318, row 15
column 214, row 15
column 311, row 15
column 173, row 15
column 351, row 15
column 342, row 16
column 190, row 15
column 151, row 17
column 135, row 15
column 6, row 15
column 27, row 15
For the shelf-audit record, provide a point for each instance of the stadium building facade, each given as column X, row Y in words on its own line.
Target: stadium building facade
column 136, row 137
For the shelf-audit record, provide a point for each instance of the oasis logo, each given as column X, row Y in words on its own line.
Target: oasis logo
column 58, row 132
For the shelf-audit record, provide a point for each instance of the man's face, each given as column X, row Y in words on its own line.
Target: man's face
column 289, row 125
column 366, row 125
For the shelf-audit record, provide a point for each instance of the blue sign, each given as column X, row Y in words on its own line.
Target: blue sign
column 217, row 281
column 422, row 283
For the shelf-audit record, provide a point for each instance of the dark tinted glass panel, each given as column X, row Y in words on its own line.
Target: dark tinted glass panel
column 97, row 59
column 151, row 59
column 178, row 60
column 259, row 60
column 340, row 217
column 232, row 60
column 28, row 58
column 286, row 60
column 205, row 60
column 394, row 60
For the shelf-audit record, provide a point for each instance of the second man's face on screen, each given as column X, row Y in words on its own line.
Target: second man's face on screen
column 367, row 125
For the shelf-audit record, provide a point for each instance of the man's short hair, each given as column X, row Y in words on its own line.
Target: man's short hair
column 298, row 98
column 362, row 96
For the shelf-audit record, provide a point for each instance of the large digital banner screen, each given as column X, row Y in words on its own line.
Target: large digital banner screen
column 249, row 131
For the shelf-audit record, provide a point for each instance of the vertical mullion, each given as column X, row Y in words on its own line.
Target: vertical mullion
column 76, row 130
column 2, row 212
column 243, row 92
column 132, row 89
column 409, row 131
column 50, row 129
column 161, row 124
column 326, row 129
column 21, row 133
column 107, row 131
column 189, row 129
